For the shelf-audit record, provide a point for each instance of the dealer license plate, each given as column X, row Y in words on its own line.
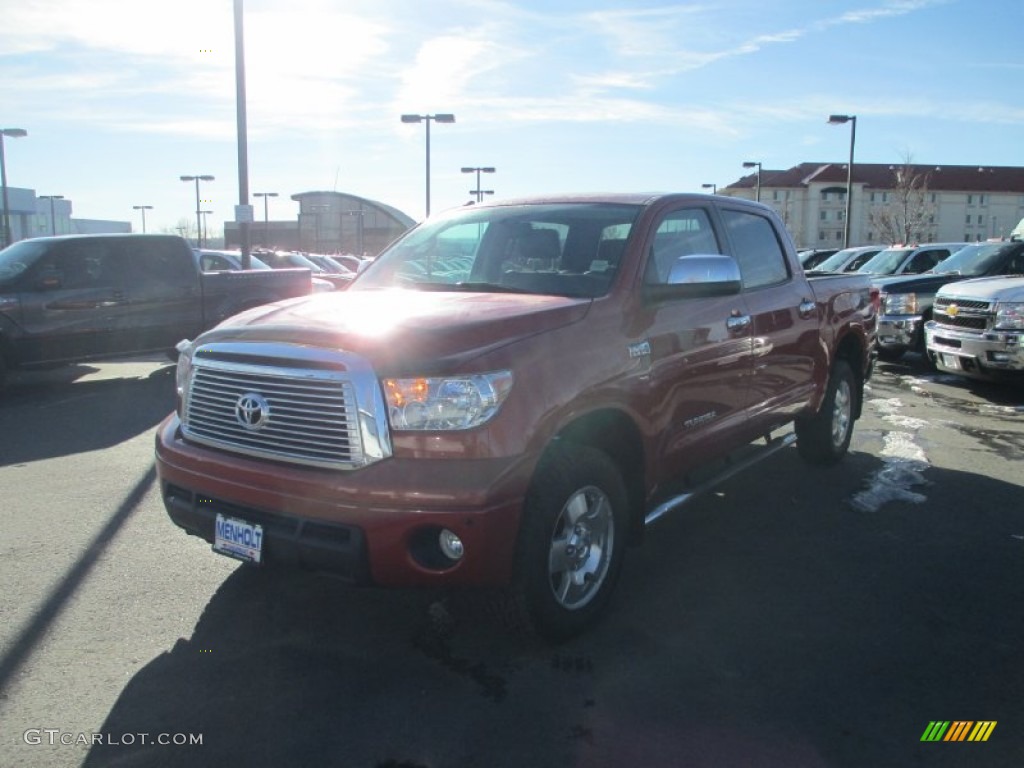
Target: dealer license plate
column 952, row 362
column 237, row 538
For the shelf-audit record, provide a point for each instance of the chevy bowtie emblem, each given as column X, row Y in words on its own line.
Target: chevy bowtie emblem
column 952, row 310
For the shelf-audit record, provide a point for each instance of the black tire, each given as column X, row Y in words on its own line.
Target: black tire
column 571, row 542
column 825, row 437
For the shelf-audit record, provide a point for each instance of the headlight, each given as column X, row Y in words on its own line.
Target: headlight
column 451, row 402
column 183, row 373
column 1009, row 316
column 899, row 304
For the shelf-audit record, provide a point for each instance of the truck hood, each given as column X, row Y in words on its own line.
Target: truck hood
column 928, row 282
column 988, row 288
column 404, row 331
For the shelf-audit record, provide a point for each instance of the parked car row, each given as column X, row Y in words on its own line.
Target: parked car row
column 907, row 300
column 960, row 305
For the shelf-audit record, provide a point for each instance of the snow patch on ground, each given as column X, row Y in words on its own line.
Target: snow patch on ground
column 904, row 462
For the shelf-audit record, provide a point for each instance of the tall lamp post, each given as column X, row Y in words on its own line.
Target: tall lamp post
column 204, row 240
column 480, row 192
column 439, row 118
column 712, row 187
column 755, row 164
column 199, row 224
column 53, row 218
column 14, row 133
column 143, row 209
column 266, row 220
column 852, row 120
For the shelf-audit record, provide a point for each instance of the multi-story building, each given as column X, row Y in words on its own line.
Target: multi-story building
column 890, row 203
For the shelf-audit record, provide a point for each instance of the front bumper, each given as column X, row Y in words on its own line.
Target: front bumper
column 370, row 526
column 977, row 355
column 898, row 333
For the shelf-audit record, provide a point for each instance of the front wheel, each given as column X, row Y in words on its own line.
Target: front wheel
column 572, row 541
column 825, row 437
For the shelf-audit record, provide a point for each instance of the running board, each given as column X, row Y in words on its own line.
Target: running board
column 684, row 498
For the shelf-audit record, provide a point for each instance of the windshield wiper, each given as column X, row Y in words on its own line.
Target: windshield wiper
column 484, row 287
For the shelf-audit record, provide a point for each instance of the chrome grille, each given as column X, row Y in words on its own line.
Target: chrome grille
column 972, row 315
column 945, row 301
column 282, row 409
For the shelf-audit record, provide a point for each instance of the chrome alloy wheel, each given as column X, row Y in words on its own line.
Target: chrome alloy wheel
column 581, row 547
column 842, row 412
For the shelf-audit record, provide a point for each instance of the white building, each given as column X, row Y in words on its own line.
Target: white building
column 32, row 215
column 957, row 202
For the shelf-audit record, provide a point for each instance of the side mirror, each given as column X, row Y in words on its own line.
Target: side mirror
column 698, row 275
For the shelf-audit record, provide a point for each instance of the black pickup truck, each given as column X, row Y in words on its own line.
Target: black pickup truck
column 907, row 299
column 83, row 297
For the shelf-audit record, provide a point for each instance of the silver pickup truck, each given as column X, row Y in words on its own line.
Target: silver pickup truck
column 977, row 328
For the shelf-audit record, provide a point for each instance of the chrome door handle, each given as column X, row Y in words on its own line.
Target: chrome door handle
column 807, row 308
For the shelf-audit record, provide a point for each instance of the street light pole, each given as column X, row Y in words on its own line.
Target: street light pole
column 204, row 226
column 143, row 208
column 480, row 192
column 753, row 164
column 439, row 118
column 712, row 187
column 852, row 120
column 199, row 224
column 14, row 133
column 53, row 219
column 266, row 225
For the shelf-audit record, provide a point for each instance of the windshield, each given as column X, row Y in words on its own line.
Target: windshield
column 17, row 258
column 886, row 262
column 974, row 260
column 837, row 260
column 568, row 249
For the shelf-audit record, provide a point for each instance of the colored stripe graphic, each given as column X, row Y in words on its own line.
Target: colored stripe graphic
column 982, row 730
column 958, row 730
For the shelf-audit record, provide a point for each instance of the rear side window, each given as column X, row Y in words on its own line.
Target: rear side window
column 155, row 264
column 757, row 249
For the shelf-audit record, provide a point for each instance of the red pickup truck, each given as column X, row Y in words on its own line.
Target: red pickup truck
column 512, row 392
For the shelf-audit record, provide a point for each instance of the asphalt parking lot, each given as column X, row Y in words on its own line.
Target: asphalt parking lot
column 794, row 617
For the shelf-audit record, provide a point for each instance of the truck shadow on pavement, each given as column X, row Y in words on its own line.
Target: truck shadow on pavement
column 45, row 416
column 770, row 624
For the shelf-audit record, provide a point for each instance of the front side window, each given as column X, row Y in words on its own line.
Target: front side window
column 681, row 233
column 757, row 248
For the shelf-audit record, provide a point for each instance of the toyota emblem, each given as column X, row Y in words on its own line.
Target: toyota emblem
column 252, row 411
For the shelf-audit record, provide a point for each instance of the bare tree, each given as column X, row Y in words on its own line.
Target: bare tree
column 908, row 217
column 186, row 227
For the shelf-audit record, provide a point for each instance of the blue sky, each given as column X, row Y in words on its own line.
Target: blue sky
column 121, row 97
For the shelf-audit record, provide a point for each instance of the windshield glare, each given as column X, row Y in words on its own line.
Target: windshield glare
column 972, row 261
column 886, row 262
column 570, row 249
column 15, row 259
column 836, row 260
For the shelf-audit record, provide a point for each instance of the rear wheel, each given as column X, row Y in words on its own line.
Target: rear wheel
column 825, row 437
column 571, row 542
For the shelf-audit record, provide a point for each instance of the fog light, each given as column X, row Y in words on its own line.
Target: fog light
column 451, row 545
